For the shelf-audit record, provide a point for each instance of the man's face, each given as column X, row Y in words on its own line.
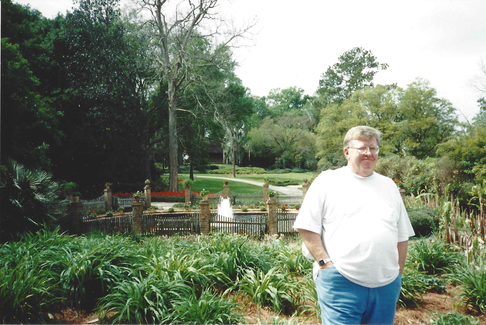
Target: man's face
column 364, row 163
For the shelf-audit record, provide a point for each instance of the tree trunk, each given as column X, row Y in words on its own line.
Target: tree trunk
column 191, row 172
column 173, row 147
column 233, row 156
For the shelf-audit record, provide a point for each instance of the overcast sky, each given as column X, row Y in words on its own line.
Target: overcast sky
column 442, row 41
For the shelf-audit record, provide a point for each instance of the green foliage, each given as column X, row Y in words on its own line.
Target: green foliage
column 413, row 287
column 355, row 70
column 468, row 152
column 29, row 199
column 432, row 256
column 413, row 121
column 433, row 119
column 206, row 309
column 431, row 175
column 278, row 182
column 453, row 318
column 272, row 288
column 142, row 299
column 288, row 139
column 27, row 284
column 291, row 258
column 424, row 221
column 226, row 170
column 30, row 121
column 473, row 285
column 281, row 101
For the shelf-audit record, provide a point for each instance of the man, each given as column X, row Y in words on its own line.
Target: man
column 354, row 224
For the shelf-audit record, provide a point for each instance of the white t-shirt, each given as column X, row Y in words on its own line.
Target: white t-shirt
column 361, row 220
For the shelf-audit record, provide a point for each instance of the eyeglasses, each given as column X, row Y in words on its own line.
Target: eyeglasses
column 363, row 150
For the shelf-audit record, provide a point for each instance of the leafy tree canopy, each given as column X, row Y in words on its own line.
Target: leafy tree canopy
column 355, row 70
column 413, row 121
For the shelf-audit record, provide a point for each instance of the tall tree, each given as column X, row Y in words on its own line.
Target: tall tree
column 29, row 120
column 177, row 29
column 106, row 111
column 233, row 111
column 373, row 106
column 426, row 119
column 355, row 70
column 281, row 101
column 287, row 138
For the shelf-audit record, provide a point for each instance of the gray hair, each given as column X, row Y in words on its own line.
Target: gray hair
column 361, row 132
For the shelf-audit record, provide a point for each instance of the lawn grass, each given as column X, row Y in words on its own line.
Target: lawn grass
column 216, row 185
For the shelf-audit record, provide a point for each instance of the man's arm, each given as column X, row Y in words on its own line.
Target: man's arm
column 402, row 254
column 313, row 243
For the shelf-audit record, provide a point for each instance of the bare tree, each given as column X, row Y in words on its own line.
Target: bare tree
column 178, row 27
column 480, row 81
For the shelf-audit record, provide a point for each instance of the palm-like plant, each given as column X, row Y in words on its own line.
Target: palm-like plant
column 28, row 199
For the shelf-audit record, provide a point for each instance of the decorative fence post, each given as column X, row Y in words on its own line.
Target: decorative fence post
column 225, row 190
column 272, row 215
column 305, row 187
column 265, row 190
column 137, row 212
column 187, row 188
column 75, row 212
column 204, row 216
column 148, row 193
column 108, row 198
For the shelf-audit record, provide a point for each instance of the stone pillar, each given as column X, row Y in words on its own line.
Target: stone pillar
column 137, row 212
column 305, row 187
column 272, row 216
column 205, row 216
column 265, row 190
column 188, row 194
column 148, row 194
column 75, row 213
column 108, row 199
column 225, row 190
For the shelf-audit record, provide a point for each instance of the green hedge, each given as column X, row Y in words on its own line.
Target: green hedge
column 424, row 221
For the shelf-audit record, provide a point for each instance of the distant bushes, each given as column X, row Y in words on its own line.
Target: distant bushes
column 239, row 170
column 431, row 175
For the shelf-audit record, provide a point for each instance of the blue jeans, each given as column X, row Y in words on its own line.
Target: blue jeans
column 344, row 302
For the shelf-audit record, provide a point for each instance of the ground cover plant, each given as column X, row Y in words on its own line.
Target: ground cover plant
column 221, row 278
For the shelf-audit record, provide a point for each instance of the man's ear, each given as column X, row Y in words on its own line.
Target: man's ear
column 346, row 152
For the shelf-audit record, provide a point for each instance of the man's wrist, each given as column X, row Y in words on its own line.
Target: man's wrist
column 323, row 262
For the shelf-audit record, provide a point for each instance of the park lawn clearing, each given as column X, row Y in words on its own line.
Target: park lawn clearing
column 215, row 185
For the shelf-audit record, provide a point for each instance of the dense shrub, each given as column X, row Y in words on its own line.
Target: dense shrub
column 280, row 171
column 239, row 170
column 424, row 221
column 278, row 182
column 416, row 176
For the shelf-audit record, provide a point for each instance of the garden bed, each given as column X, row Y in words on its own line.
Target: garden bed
column 431, row 303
